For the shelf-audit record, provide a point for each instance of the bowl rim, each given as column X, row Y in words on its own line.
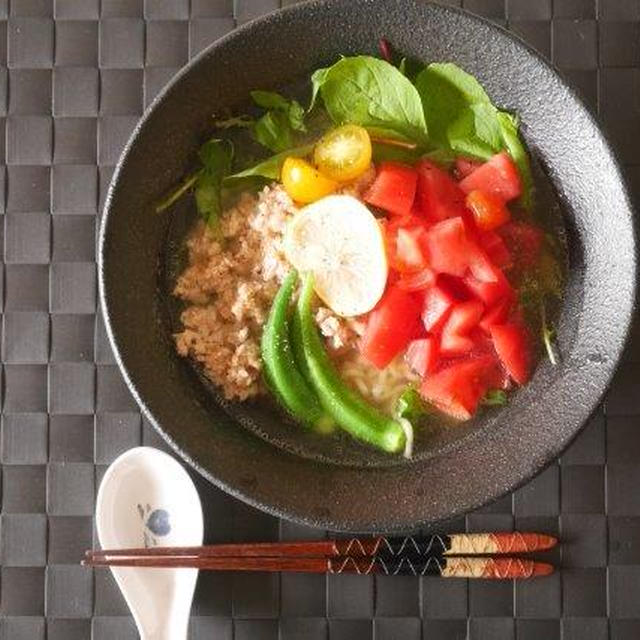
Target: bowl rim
column 246, row 495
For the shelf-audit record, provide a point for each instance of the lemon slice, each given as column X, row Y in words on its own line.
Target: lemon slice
column 338, row 239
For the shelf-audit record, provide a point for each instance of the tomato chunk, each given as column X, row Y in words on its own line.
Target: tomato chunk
column 418, row 280
column 394, row 188
column 422, row 355
column 489, row 211
column 438, row 194
column 409, row 254
column 513, row 347
column 448, row 247
column 481, row 267
column 390, row 326
column 458, row 389
column 455, row 333
column 498, row 177
column 455, row 287
column 405, row 244
column 450, row 250
column 495, row 248
column 497, row 314
column 408, row 221
column 489, row 292
column 438, row 301
column 524, row 242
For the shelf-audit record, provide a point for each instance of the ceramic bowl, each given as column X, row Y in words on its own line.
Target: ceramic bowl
column 246, row 450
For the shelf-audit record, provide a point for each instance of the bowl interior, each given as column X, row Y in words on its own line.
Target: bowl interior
column 263, row 418
column 350, row 487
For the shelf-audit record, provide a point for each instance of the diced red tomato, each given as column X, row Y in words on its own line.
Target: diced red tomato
column 392, row 278
column 438, row 194
column 390, row 326
column 488, row 210
column 418, row 280
column 497, row 314
column 409, row 252
column 422, row 355
column 455, row 287
column 513, row 347
column 494, row 247
column 490, row 292
column 458, row 389
column 482, row 344
column 524, row 242
column 455, row 333
column 438, row 301
column 450, row 250
column 448, row 247
column 408, row 221
column 498, row 176
column 404, row 245
column 394, row 188
column 481, row 267
column 466, row 166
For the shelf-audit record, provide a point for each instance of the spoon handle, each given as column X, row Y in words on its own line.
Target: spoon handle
column 173, row 630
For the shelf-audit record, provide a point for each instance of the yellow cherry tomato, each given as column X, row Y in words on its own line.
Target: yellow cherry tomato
column 304, row 183
column 344, row 153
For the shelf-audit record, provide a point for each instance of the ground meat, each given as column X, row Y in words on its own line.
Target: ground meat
column 229, row 286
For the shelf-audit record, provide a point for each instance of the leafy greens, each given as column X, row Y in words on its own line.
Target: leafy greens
column 215, row 156
column 460, row 116
column 374, row 94
column 443, row 113
column 276, row 128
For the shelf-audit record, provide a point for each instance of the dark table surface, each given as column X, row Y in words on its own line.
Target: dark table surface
column 75, row 76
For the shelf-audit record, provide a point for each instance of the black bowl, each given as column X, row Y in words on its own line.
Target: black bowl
column 359, row 491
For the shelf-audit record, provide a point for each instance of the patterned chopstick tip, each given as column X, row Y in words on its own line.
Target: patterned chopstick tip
column 494, row 568
column 508, row 542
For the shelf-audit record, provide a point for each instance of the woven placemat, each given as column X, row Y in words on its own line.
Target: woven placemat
column 75, row 76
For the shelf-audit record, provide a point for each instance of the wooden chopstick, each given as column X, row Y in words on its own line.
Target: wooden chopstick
column 502, row 568
column 454, row 544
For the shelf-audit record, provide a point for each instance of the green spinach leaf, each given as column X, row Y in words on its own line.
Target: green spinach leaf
column 318, row 78
column 216, row 156
column 275, row 129
column 460, row 116
column 513, row 144
column 444, row 158
column 457, row 110
column 374, row 94
column 269, row 169
column 269, row 100
column 389, row 152
column 275, row 102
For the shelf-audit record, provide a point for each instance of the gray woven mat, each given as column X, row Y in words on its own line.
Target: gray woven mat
column 74, row 77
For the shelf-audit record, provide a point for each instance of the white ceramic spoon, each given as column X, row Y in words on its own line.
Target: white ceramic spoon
column 147, row 499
